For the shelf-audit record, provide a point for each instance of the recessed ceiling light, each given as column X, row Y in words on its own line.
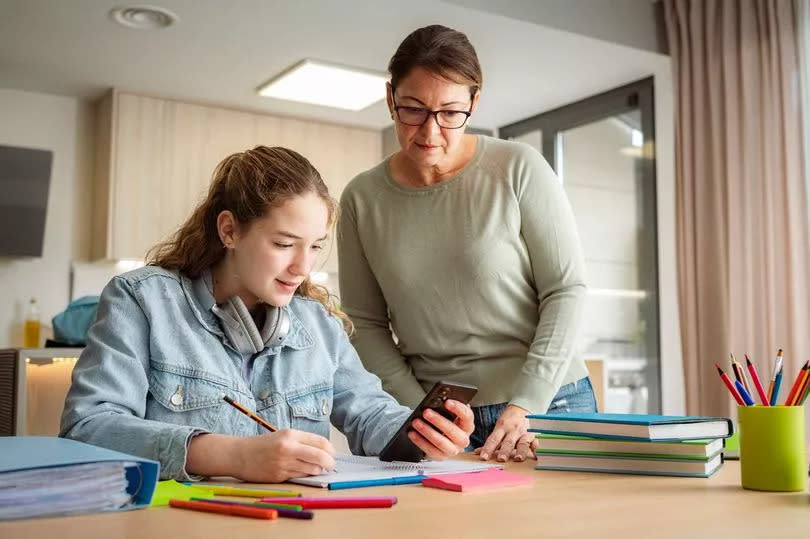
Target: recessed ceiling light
column 143, row 17
column 331, row 85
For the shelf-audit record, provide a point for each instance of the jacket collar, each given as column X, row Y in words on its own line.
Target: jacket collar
column 200, row 296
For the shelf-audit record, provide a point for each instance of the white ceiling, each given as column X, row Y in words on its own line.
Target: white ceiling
column 220, row 51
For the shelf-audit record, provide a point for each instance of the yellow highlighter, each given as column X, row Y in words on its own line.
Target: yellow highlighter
column 225, row 490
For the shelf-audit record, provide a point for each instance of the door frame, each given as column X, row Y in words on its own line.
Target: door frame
column 635, row 95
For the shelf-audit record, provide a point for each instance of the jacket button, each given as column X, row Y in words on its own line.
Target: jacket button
column 177, row 398
column 325, row 407
column 264, row 394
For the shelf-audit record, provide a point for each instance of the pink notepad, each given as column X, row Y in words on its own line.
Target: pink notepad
column 476, row 481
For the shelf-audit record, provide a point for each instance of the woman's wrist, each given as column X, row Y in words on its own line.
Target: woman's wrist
column 517, row 408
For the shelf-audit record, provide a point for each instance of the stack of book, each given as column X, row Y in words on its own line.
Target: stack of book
column 630, row 443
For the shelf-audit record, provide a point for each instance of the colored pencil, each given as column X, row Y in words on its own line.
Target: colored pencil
column 744, row 394
column 284, row 512
column 225, row 490
column 802, row 393
column 742, row 376
column 757, row 384
column 289, row 506
column 737, row 375
column 777, row 385
column 727, row 381
column 777, row 366
column 797, row 384
column 806, row 392
column 248, row 413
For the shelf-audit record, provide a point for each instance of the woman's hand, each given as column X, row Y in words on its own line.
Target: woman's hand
column 510, row 437
column 448, row 438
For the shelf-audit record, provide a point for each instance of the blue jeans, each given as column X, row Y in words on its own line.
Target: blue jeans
column 576, row 398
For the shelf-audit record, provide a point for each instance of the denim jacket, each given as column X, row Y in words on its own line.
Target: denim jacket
column 157, row 363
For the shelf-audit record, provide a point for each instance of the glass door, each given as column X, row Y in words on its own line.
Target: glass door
column 603, row 151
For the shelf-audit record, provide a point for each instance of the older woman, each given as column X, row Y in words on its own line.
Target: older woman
column 465, row 246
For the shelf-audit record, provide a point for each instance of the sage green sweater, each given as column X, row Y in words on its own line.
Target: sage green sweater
column 479, row 276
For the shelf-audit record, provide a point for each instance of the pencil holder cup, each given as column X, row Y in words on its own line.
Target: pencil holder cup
column 772, row 448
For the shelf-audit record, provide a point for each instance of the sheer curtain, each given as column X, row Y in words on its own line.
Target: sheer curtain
column 804, row 70
column 742, row 213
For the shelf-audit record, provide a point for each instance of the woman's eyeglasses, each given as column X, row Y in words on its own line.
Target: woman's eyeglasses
column 447, row 119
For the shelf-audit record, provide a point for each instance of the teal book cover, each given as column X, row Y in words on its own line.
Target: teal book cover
column 633, row 426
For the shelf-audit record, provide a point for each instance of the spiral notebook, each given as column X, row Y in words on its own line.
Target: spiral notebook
column 355, row 471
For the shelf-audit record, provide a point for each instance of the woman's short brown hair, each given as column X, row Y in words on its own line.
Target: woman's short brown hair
column 441, row 50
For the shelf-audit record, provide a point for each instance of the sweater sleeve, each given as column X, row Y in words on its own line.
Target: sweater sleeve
column 363, row 301
column 555, row 254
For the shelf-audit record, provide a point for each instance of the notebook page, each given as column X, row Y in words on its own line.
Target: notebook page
column 357, row 468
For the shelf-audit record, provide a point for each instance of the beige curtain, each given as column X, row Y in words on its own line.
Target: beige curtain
column 741, row 198
column 804, row 68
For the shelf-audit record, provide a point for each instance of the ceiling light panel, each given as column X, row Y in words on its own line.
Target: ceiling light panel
column 329, row 85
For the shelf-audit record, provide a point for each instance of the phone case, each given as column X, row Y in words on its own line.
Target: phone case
column 400, row 446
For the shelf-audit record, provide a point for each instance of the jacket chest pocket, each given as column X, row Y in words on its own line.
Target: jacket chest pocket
column 310, row 411
column 186, row 399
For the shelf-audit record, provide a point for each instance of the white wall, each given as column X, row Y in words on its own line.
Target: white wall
column 62, row 125
column 636, row 23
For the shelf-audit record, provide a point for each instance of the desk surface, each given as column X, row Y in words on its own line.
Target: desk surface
column 557, row 504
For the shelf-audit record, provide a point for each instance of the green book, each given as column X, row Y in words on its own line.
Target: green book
column 628, row 464
column 562, row 444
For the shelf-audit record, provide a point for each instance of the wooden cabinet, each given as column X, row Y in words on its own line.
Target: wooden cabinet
column 155, row 158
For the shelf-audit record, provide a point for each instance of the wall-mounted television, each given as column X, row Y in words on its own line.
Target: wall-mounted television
column 25, row 177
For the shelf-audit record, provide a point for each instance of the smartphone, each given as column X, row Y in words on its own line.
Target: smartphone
column 400, row 447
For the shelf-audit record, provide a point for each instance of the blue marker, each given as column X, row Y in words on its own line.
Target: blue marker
column 407, row 480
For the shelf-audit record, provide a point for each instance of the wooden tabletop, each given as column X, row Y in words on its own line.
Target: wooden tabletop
column 557, row 504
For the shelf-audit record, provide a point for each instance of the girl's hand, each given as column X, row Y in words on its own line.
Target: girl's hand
column 278, row 456
column 448, row 438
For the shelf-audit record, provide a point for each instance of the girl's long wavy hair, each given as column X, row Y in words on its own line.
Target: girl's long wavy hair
column 247, row 184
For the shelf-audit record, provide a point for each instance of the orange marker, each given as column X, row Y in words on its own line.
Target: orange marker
column 237, row 510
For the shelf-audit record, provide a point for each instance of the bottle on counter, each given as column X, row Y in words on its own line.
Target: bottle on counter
column 32, row 325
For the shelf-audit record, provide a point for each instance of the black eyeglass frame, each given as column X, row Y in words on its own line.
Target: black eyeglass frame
column 429, row 113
